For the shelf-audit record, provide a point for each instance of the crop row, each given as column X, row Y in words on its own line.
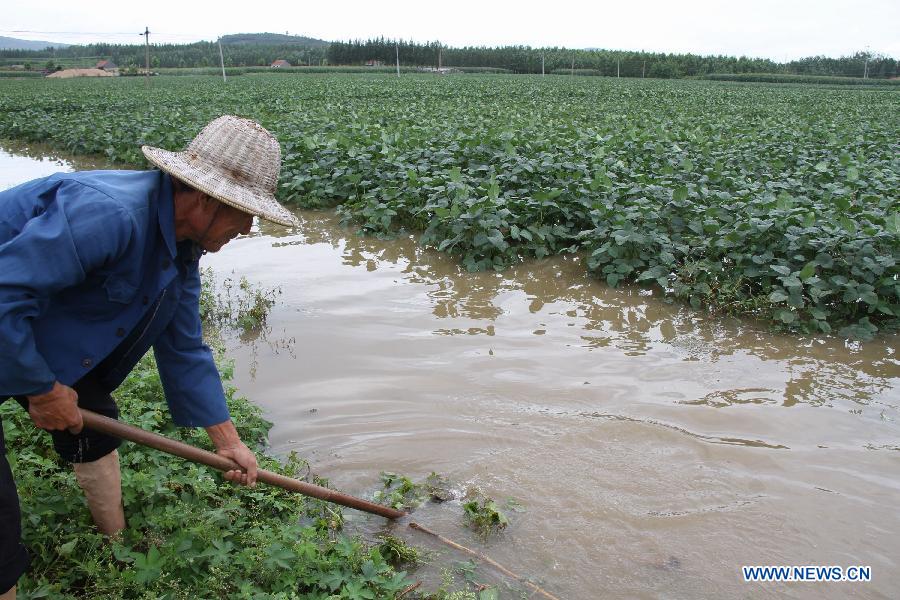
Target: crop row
column 776, row 202
column 789, row 78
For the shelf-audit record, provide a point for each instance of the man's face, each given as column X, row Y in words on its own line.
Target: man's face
column 227, row 224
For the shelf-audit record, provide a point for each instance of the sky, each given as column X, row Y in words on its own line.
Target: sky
column 777, row 29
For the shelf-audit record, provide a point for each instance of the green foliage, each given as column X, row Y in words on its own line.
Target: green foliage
column 190, row 534
column 403, row 493
column 235, row 71
column 21, row 74
column 482, row 514
column 237, row 51
column 780, row 203
column 791, row 78
column 244, row 307
column 270, row 39
column 399, row 492
column 397, row 552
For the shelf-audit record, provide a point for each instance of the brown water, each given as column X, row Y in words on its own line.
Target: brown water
column 655, row 449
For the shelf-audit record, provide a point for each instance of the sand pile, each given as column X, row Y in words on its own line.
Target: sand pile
column 80, row 73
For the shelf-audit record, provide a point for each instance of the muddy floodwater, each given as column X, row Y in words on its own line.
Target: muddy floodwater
column 654, row 449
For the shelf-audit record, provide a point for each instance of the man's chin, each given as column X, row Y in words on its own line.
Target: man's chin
column 213, row 248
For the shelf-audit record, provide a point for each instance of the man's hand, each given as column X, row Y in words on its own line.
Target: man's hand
column 56, row 409
column 228, row 444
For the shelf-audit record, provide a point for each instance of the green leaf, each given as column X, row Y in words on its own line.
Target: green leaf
column 885, row 308
column 842, row 202
column 496, row 238
column 893, row 223
column 786, row 316
column 680, row 194
column 66, row 549
column 791, row 282
column 782, row 269
column 852, row 174
column 777, row 296
column 784, row 201
column 848, row 224
column 821, row 166
column 818, row 313
column 808, row 271
column 870, row 298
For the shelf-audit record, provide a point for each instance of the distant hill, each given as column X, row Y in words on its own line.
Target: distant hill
column 272, row 39
column 8, row 43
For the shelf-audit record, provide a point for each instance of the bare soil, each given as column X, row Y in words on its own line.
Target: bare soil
column 67, row 73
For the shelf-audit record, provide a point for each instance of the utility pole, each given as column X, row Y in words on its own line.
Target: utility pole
column 542, row 65
column 222, row 60
column 617, row 68
column 440, row 51
column 146, row 35
column 866, row 65
column 573, row 64
column 643, row 69
column 397, row 46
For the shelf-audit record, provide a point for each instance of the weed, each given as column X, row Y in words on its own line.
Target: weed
column 244, row 307
column 397, row 552
column 399, row 492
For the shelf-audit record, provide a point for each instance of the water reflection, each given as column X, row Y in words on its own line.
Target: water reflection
column 822, row 371
column 24, row 161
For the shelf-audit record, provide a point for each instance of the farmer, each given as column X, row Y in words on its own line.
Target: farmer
column 98, row 267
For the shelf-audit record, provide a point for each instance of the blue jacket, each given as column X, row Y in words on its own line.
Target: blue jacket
column 84, row 257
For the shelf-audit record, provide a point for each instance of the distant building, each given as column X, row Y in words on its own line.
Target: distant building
column 280, row 63
column 374, row 63
column 107, row 65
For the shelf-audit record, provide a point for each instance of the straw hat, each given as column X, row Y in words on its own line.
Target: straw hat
column 235, row 161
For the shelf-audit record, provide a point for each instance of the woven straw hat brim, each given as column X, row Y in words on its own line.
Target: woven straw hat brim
column 213, row 181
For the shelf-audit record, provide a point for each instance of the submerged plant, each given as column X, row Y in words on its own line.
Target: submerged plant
column 399, row 492
column 484, row 516
column 244, row 307
column 397, row 552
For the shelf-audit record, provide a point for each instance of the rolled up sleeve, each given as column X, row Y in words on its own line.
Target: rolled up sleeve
column 189, row 375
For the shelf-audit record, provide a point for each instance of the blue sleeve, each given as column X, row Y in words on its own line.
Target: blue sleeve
column 55, row 236
column 186, row 366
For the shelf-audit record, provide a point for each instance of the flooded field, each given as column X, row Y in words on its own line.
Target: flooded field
column 655, row 449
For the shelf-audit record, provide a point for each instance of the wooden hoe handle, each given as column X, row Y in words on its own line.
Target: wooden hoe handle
column 186, row 451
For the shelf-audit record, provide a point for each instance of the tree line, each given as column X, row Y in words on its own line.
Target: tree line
column 198, row 54
column 525, row 59
column 516, row 59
